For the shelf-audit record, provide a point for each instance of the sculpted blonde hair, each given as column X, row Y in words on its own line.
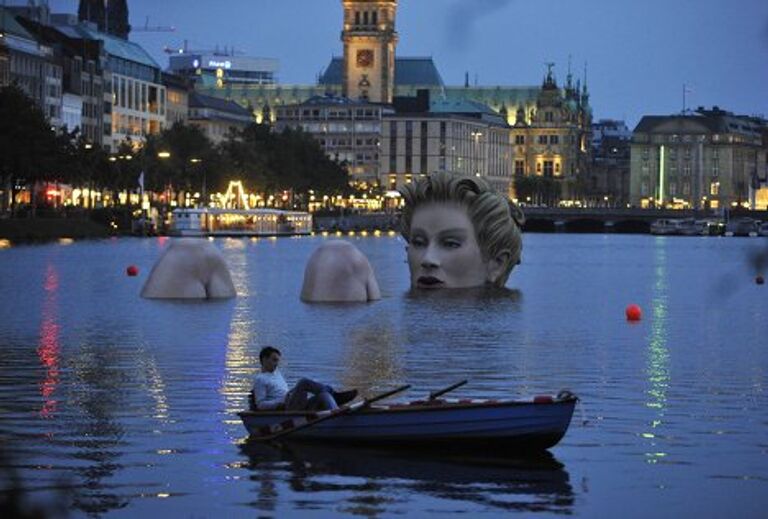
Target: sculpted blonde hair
column 497, row 221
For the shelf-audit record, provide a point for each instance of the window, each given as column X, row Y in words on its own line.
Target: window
column 557, row 168
column 519, row 139
column 542, row 139
column 548, row 168
column 393, row 146
column 538, row 168
column 549, row 117
column 554, row 139
column 409, row 146
column 424, row 149
column 519, row 167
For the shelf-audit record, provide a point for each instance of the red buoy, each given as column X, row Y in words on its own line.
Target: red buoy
column 132, row 270
column 760, row 280
column 633, row 313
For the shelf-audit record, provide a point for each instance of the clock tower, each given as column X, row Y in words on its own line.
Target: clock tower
column 370, row 39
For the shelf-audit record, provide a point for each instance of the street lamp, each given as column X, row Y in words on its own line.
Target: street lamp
column 204, row 189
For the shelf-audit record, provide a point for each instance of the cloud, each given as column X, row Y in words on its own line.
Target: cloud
column 463, row 16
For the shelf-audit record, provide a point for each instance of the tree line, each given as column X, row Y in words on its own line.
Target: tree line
column 180, row 159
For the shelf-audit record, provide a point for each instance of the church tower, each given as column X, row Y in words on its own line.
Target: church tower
column 370, row 39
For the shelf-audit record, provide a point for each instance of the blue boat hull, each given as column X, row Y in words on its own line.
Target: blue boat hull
column 446, row 426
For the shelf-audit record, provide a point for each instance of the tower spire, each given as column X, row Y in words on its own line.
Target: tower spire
column 370, row 40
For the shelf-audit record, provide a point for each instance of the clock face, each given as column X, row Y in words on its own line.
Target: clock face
column 365, row 58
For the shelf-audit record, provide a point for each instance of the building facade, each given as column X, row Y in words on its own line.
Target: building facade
column 608, row 178
column 217, row 117
column 707, row 159
column 552, row 140
column 30, row 64
column 177, row 98
column 370, row 40
column 426, row 136
column 348, row 131
column 217, row 69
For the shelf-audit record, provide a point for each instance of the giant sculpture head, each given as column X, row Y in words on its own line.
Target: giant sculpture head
column 460, row 232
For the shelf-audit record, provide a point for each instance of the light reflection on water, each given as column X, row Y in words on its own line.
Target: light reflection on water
column 130, row 403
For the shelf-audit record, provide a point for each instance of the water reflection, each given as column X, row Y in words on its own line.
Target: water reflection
column 373, row 357
column 99, row 394
column 370, row 482
column 658, row 353
column 48, row 349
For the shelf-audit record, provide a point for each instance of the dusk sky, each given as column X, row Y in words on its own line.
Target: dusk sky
column 639, row 52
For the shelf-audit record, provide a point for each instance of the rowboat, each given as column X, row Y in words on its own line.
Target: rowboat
column 445, row 424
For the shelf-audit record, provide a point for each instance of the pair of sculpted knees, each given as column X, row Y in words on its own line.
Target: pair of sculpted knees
column 459, row 234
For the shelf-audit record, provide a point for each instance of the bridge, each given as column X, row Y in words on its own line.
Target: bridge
column 548, row 219
column 611, row 219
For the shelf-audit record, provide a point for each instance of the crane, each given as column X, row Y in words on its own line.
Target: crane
column 156, row 28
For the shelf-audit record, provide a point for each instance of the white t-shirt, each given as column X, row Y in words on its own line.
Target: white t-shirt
column 269, row 389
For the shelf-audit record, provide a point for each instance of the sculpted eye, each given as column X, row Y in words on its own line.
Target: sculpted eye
column 418, row 241
column 452, row 243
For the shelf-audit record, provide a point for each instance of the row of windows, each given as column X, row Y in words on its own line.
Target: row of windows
column 137, row 95
column 328, row 114
column 348, row 142
column 366, row 17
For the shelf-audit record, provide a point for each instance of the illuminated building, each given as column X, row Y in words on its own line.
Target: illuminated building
column 29, row 64
column 177, row 98
column 348, row 131
column 369, row 38
column 81, row 96
column 462, row 137
column 369, row 71
column 704, row 159
column 133, row 89
column 607, row 183
column 223, row 70
column 217, row 117
column 552, row 139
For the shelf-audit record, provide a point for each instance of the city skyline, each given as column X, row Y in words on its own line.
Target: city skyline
column 639, row 56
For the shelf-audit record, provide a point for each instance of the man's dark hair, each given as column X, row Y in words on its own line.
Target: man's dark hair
column 266, row 351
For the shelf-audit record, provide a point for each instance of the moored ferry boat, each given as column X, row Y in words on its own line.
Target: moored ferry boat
column 742, row 227
column 666, row 227
column 239, row 222
column 763, row 229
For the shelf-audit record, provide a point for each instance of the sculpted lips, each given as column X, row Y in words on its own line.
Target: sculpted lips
column 428, row 282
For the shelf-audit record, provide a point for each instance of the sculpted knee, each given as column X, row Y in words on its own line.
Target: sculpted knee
column 338, row 272
column 189, row 269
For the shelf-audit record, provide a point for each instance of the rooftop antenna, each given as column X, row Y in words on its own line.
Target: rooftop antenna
column 686, row 91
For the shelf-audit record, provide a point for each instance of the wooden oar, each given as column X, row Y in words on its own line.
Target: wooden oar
column 282, row 429
column 434, row 395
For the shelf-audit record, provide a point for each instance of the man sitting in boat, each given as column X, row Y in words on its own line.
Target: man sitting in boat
column 270, row 391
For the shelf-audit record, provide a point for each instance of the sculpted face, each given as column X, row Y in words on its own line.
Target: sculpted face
column 443, row 251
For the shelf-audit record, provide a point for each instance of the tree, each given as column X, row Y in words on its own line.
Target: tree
column 29, row 149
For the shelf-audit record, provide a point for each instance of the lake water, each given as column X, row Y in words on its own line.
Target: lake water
column 127, row 406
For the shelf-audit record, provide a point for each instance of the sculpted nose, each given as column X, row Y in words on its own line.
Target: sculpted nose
column 429, row 259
